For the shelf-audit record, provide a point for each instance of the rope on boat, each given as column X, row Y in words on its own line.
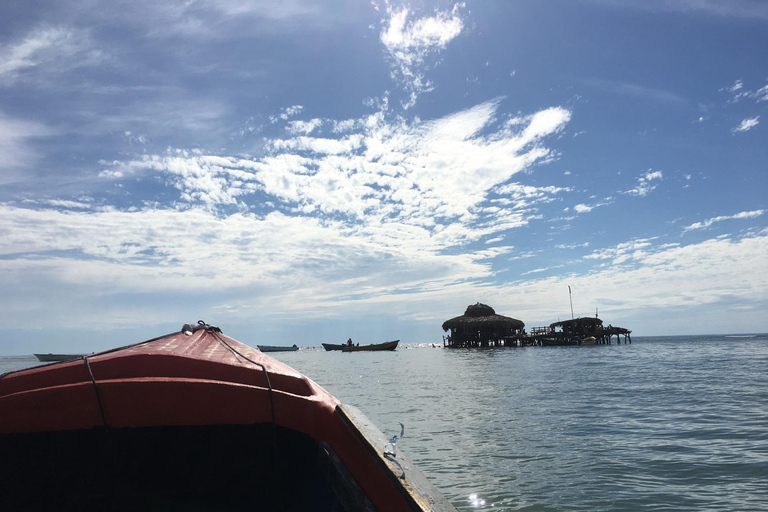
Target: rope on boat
column 201, row 325
column 96, row 389
column 215, row 332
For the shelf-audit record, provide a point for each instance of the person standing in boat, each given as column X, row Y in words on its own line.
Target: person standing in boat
column 349, row 342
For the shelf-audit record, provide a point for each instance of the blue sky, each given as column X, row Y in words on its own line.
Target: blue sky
column 303, row 172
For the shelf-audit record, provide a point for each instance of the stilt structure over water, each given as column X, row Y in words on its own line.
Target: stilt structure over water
column 580, row 331
column 480, row 326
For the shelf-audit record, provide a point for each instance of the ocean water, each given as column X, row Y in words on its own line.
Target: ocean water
column 672, row 423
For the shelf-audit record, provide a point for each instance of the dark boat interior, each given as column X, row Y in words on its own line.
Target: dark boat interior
column 192, row 468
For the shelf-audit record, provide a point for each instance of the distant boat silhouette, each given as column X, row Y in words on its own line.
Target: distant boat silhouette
column 48, row 358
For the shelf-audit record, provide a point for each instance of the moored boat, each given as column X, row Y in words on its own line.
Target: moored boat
column 389, row 345
column 50, row 358
column 193, row 420
column 333, row 346
column 274, row 348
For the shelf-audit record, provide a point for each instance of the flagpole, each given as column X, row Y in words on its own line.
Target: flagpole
column 571, row 299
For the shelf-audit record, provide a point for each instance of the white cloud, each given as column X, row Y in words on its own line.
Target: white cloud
column 63, row 203
column 586, row 208
column 747, row 124
column 738, row 93
column 392, row 195
column 288, row 263
column 762, row 94
column 633, row 250
column 707, row 223
column 410, row 42
column 571, row 246
column 286, row 113
column 645, row 183
column 641, row 279
column 303, row 127
column 435, row 174
column 273, row 266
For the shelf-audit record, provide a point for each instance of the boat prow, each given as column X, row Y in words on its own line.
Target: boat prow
column 195, row 420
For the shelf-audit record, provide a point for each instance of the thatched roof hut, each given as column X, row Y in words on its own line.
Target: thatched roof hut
column 483, row 315
column 480, row 325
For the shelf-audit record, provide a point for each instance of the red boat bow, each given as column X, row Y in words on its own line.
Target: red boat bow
column 198, row 379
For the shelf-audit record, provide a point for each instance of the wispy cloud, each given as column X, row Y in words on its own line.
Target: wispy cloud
column 635, row 90
column 16, row 139
column 303, row 127
column 409, row 43
column 645, row 183
column 47, row 51
column 747, row 124
column 311, row 217
column 633, row 250
column 738, row 92
column 707, row 223
column 430, row 174
column 286, row 113
column 586, row 208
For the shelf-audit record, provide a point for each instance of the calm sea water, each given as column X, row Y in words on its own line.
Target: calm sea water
column 674, row 424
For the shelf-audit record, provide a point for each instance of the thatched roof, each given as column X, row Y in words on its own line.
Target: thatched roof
column 585, row 320
column 482, row 315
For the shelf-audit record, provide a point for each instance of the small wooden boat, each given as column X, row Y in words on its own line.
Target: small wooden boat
column 193, row 420
column 332, row 346
column 273, row 348
column 589, row 340
column 389, row 345
column 50, row 358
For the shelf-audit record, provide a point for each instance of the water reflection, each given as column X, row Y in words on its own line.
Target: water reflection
column 475, row 501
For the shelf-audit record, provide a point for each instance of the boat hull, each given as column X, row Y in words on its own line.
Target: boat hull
column 390, row 345
column 331, row 346
column 188, row 420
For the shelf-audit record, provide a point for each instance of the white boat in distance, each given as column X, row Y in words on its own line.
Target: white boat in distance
column 273, row 348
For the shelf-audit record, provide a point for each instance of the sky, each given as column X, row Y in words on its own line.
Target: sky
column 308, row 171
